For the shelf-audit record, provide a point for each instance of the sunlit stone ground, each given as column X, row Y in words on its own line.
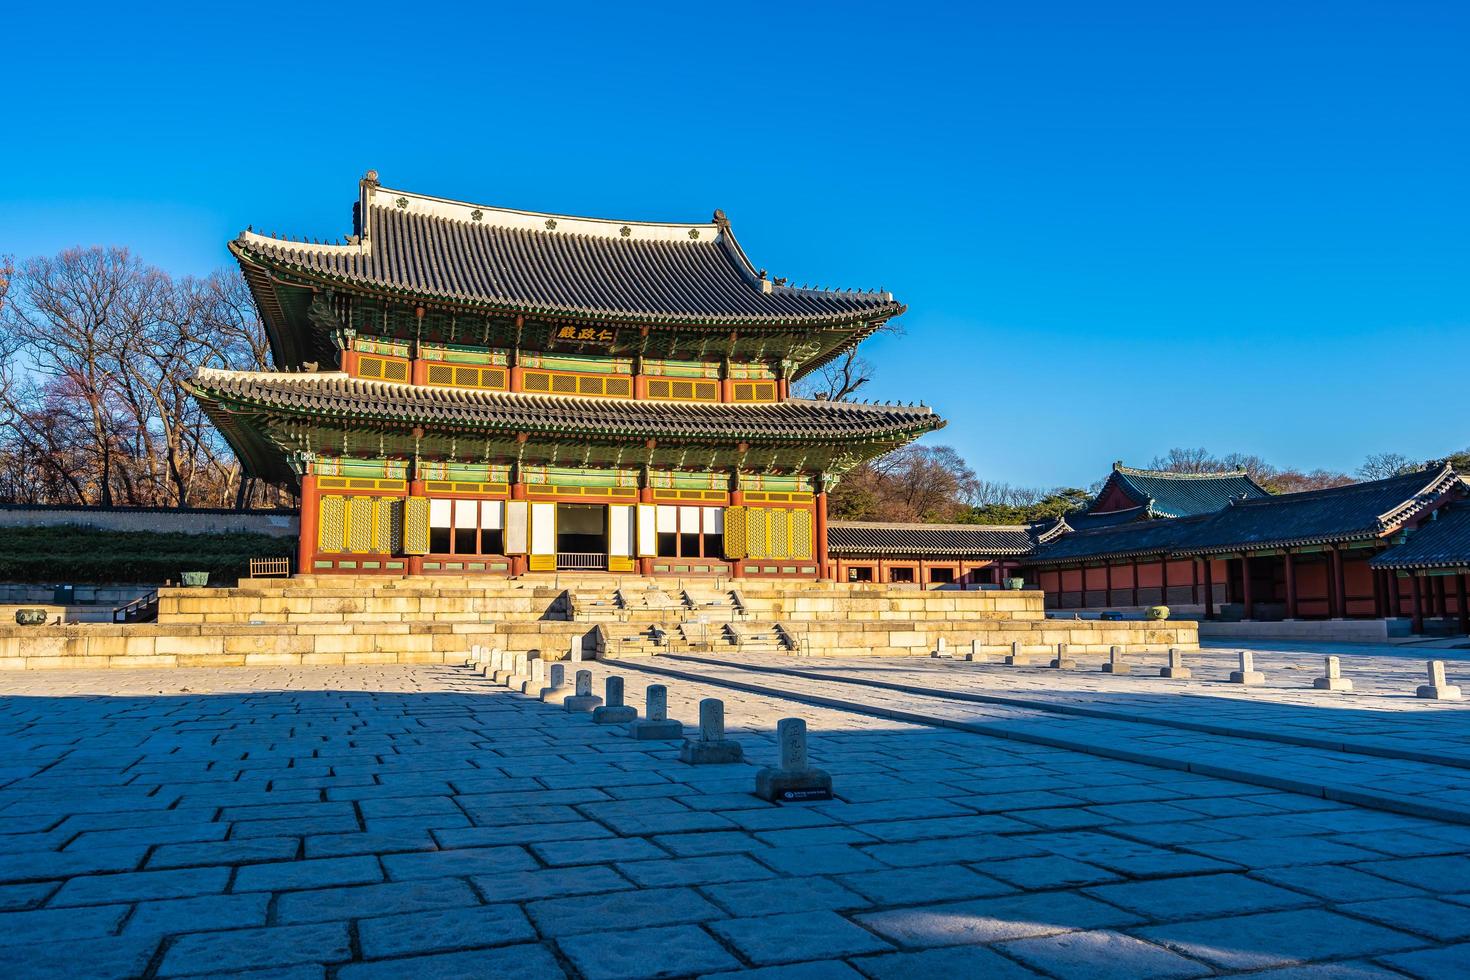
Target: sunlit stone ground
column 387, row 821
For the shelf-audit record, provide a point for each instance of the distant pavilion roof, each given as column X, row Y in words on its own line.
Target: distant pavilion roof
column 1183, row 494
column 1442, row 542
column 948, row 540
column 554, row 264
column 334, row 394
column 1137, row 539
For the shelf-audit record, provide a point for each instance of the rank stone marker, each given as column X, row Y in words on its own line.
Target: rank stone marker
column 537, row 680
column 941, row 649
column 558, row 690
column 1333, row 679
column 1061, row 661
column 795, row 779
column 1247, row 674
column 712, row 748
column 1116, row 664
column 502, row 663
column 1437, row 689
column 574, row 650
column 1176, row 666
column 521, row 672
column 614, row 711
column 975, row 656
column 1016, row 657
column 584, row 699
column 656, row 724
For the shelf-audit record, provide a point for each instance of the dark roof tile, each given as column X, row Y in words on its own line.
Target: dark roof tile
column 950, row 540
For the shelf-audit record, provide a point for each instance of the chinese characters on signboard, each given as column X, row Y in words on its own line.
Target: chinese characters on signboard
column 586, row 334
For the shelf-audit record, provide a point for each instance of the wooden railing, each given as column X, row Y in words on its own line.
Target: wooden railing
column 270, row 567
column 580, row 561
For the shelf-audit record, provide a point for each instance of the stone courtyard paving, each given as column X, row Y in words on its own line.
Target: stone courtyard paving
column 404, row 821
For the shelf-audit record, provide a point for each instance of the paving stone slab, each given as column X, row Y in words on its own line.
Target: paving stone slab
column 647, row 953
column 620, row 910
column 956, row 961
column 1278, row 938
column 989, row 920
column 243, row 949
column 524, row 962
column 1102, row 955
column 444, row 929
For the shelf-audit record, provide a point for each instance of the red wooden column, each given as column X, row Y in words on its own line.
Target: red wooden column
column 737, row 499
column 1209, row 589
column 519, row 563
column 1460, row 595
column 416, row 489
column 1194, row 582
column 1416, row 597
column 1245, row 588
column 1332, row 597
column 1107, row 583
column 310, row 514
column 1339, row 580
column 1163, row 581
column 1133, row 568
column 1291, row 607
column 1380, row 598
column 1441, row 603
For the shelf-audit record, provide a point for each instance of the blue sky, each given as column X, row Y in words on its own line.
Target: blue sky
column 1118, row 227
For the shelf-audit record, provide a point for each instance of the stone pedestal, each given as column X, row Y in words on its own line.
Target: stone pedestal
column 1437, row 689
column 533, row 684
column 1016, row 658
column 794, row 780
column 1333, row 680
column 520, row 673
column 974, row 655
column 1175, row 668
column 656, row 725
column 712, row 747
column 614, row 711
column 941, row 650
column 1116, row 664
column 1061, row 661
column 1247, row 674
column 584, row 699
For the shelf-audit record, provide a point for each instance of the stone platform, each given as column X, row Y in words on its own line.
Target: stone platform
column 339, row 620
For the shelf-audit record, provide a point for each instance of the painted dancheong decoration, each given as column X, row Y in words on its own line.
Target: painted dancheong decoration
column 468, row 389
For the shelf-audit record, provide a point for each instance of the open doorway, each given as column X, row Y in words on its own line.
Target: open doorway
column 581, row 536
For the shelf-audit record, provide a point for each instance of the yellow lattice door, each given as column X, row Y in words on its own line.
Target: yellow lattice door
column 331, row 523
column 359, row 524
column 801, row 533
column 416, row 526
column 388, row 521
column 756, row 545
column 779, row 532
column 735, row 531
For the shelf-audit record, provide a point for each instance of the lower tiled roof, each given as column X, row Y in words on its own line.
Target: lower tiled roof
column 950, row 540
column 1442, row 542
column 337, row 395
column 1133, row 540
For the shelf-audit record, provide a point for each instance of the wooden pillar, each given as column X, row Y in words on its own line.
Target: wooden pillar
column 310, row 514
column 1133, row 569
column 1246, row 600
column 1291, row 604
column 416, row 489
column 1380, row 599
column 1339, row 581
column 1331, row 579
column 1194, row 582
column 1416, row 599
column 1163, row 581
column 1461, row 590
column 1107, row 583
column 1209, row 588
column 1441, row 603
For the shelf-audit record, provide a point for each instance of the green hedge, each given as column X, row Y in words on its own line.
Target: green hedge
column 61, row 555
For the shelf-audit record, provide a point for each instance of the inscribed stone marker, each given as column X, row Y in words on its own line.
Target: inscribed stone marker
column 1437, row 689
column 656, row 725
column 1116, row 664
column 1247, row 674
column 584, row 699
column 712, row 747
column 1176, row 666
column 794, row 780
column 614, row 711
column 1332, row 680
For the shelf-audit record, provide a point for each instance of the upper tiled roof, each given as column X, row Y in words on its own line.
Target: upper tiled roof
column 1442, row 542
column 968, row 540
column 543, row 264
column 1353, row 512
column 1184, row 494
column 335, row 394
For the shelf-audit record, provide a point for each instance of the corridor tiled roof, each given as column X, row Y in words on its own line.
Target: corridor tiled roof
column 1184, row 494
column 952, row 540
column 1442, row 542
column 528, row 262
column 333, row 394
column 1135, row 539
column 1348, row 513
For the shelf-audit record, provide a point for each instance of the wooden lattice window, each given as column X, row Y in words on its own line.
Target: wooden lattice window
column 460, row 376
column 665, row 389
column 592, row 385
column 381, row 368
column 755, row 391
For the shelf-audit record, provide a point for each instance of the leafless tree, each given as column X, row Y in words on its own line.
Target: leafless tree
column 845, row 375
column 1381, row 466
